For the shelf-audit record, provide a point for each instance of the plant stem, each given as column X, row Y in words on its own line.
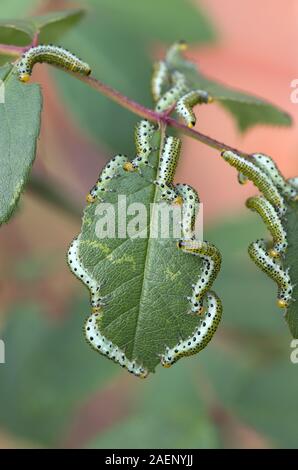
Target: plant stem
column 151, row 115
column 11, row 50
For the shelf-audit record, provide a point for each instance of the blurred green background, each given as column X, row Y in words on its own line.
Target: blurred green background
column 54, row 390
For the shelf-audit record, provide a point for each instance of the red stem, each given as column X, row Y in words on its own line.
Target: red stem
column 151, row 115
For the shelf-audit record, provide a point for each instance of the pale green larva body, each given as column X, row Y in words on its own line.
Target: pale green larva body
column 51, row 55
column 270, row 168
column 190, row 207
column 260, row 179
column 110, row 171
column 167, row 168
column 105, row 347
column 211, row 263
column 174, row 51
column 170, row 97
column 160, row 79
column 76, row 267
column 144, row 131
column 200, row 336
column 257, row 252
column 293, row 182
column 185, row 105
column 272, row 221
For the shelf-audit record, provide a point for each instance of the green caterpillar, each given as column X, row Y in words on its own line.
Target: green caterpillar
column 184, row 106
column 51, row 55
column 272, row 221
column 211, row 263
column 261, row 180
column 257, row 252
column 200, row 336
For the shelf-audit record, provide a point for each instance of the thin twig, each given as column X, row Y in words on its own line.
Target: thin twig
column 154, row 116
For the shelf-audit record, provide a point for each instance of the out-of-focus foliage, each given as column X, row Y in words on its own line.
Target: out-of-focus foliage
column 49, row 371
column 246, row 371
column 49, row 27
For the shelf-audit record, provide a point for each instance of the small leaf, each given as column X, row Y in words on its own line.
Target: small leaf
column 247, row 109
column 17, row 32
column 50, row 27
column 20, row 125
column 53, row 25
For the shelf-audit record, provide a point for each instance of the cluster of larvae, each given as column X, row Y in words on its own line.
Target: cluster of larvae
column 272, row 208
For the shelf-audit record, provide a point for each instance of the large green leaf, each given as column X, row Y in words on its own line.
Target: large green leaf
column 247, row 109
column 49, row 27
column 291, row 262
column 49, row 370
column 146, row 280
column 116, row 39
column 20, row 124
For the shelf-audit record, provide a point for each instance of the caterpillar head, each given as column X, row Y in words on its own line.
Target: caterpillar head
column 281, row 303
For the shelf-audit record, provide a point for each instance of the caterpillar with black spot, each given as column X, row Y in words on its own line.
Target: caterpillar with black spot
column 160, row 79
column 272, row 221
column 50, row 54
column 80, row 272
column 200, row 336
column 190, row 208
column 110, row 171
column 293, row 182
column 104, row 346
column 211, row 263
column 144, row 131
column 270, row 168
column 257, row 252
column 167, row 168
column 169, row 99
column 260, row 179
column 185, row 105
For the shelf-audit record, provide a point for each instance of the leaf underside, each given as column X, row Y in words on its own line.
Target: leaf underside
column 19, row 130
column 146, row 280
column 49, row 27
column 291, row 262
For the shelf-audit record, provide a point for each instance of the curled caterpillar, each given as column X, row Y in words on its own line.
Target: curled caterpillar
column 272, row 221
column 184, row 106
column 144, row 131
column 201, row 335
column 257, row 252
column 51, row 55
column 110, row 171
column 160, row 79
column 166, row 169
column 174, row 51
column 270, row 168
column 173, row 94
column 81, row 273
column 211, row 263
column 104, row 346
column 260, row 179
column 190, row 208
